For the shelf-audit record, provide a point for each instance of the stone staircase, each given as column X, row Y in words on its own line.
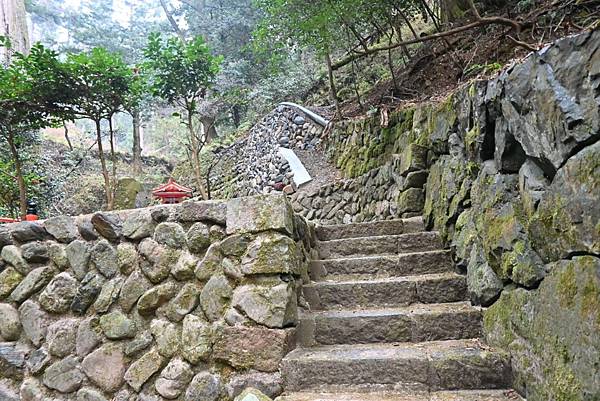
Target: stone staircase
column 390, row 321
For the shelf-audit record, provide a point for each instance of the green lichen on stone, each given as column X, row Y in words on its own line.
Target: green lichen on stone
column 590, row 302
column 567, row 287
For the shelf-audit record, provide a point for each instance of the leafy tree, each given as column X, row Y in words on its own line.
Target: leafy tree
column 181, row 73
column 104, row 85
column 32, row 97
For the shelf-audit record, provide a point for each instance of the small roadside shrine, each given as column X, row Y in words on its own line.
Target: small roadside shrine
column 172, row 192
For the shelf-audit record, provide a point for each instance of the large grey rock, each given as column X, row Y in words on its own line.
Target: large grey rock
column 158, row 260
column 108, row 225
column 142, row 341
column 64, row 376
column 86, row 228
column 9, row 280
column 78, row 254
column 62, row 228
column 174, row 379
column 10, row 324
column 61, row 337
column 210, row 265
column 58, row 295
column 271, row 304
column 108, row 295
column 32, row 390
column 32, row 283
column 155, row 297
column 89, row 335
column 204, row 386
column 271, row 253
column 566, row 221
column 483, row 284
column 35, row 252
column 127, row 257
column 260, row 213
column 170, row 234
column 271, row 384
column 256, row 348
column 35, row 322
column 141, row 370
column 167, row 337
column 198, row 237
column 117, row 326
column 28, row 231
column 105, row 367
column 215, row 296
column 88, row 290
column 58, row 256
column 38, row 361
column 104, row 258
column 559, row 113
column 12, row 360
column 206, row 211
column 12, row 255
column 196, row 339
column 139, row 225
column 185, row 266
column 235, row 245
column 185, row 302
column 134, row 287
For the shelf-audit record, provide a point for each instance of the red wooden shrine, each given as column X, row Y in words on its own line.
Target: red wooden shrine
column 172, row 192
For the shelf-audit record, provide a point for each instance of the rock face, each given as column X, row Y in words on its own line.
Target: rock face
column 127, row 313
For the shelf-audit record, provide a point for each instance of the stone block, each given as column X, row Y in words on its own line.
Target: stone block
column 256, row 348
column 260, row 213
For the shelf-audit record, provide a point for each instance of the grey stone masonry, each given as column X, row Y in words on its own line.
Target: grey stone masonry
column 185, row 302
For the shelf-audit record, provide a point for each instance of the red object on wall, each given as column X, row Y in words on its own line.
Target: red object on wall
column 172, row 192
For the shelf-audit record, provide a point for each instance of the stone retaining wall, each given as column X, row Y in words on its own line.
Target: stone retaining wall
column 394, row 190
column 253, row 165
column 190, row 302
column 513, row 186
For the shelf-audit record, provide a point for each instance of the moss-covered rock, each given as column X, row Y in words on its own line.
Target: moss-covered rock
column 552, row 331
column 568, row 216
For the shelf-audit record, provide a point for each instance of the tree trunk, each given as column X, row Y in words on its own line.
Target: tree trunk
column 137, row 143
column 209, row 129
column 13, row 24
column 113, row 157
column 195, row 156
column 332, row 87
column 107, row 189
column 18, row 175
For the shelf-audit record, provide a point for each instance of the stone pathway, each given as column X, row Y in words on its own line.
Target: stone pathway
column 390, row 321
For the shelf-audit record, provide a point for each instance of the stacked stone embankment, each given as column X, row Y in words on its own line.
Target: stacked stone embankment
column 253, row 165
column 190, row 302
column 513, row 187
column 391, row 191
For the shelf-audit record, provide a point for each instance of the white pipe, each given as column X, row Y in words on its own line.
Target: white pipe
column 313, row 116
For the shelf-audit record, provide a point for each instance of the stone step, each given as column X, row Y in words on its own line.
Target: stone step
column 386, row 292
column 430, row 366
column 406, row 264
column 387, row 244
column 415, row 323
column 377, row 228
column 462, row 395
